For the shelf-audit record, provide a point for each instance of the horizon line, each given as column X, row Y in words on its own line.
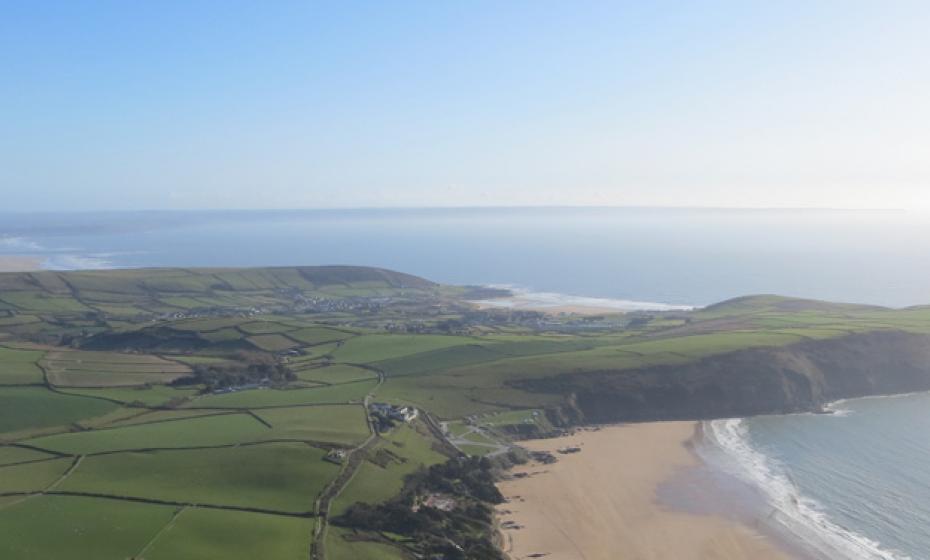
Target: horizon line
column 474, row 207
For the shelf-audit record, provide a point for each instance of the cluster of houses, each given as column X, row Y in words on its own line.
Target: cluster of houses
column 441, row 502
column 264, row 383
column 399, row 413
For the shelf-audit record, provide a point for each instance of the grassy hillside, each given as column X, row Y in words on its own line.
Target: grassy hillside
column 147, row 396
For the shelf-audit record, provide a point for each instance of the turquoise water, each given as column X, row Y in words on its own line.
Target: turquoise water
column 854, row 484
column 689, row 257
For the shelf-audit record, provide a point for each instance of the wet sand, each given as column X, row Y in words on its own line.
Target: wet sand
column 17, row 263
column 600, row 504
column 575, row 309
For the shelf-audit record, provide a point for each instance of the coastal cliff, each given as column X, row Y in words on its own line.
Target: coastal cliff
column 794, row 378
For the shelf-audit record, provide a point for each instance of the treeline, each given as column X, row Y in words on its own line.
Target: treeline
column 465, row 532
column 247, row 369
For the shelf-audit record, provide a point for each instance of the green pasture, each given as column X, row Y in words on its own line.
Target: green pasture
column 275, row 476
column 258, row 398
column 210, row 534
column 153, row 416
column 32, row 477
column 193, row 432
column 342, row 424
column 147, row 395
column 272, row 342
column 76, row 528
column 340, row 545
column 378, row 347
column 43, row 303
column 264, row 327
column 19, row 367
column 335, row 374
column 23, row 408
column 319, row 335
column 404, row 451
column 10, row 455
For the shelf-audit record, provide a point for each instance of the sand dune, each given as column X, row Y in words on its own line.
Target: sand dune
column 17, row 263
column 599, row 504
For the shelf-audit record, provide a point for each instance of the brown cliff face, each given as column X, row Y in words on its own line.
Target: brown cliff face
column 795, row 378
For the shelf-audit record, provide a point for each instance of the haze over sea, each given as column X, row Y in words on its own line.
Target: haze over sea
column 676, row 256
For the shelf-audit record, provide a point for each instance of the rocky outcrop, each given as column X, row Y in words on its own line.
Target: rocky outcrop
column 794, row 378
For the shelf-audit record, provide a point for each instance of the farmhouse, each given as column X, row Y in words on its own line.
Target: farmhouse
column 400, row 413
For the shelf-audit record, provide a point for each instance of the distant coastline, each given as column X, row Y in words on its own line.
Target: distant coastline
column 551, row 302
column 20, row 263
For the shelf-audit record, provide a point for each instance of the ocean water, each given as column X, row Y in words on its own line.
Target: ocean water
column 854, row 484
column 676, row 257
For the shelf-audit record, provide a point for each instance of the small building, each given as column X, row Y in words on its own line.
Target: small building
column 336, row 456
column 399, row 413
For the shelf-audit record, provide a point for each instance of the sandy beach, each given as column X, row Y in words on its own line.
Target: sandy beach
column 600, row 504
column 575, row 309
column 17, row 263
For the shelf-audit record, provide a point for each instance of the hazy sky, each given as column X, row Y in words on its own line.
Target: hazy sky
column 158, row 104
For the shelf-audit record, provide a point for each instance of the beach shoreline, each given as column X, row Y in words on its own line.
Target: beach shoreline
column 20, row 263
column 604, row 500
column 568, row 309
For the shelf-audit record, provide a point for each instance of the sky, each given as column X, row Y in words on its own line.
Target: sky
column 230, row 104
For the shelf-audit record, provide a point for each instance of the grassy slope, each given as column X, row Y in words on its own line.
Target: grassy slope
column 450, row 376
column 78, row 528
column 195, row 432
column 23, row 408
column 278, row 476
column 375, row 483
column 204, row 534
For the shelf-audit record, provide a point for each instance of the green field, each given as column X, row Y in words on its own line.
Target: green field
column 153, row 395
column 276, row 476
column 78, row 528
column 407, row 451
column 345, row 424
column 318, row 335
column 273, row 342
column 377, row 347
column 340, row 545
column 194, row 432
column 10, row 455
column 25, row 408
column 105, row 369
column 259, row 398
column 208, row 534
column 19, row 367
column 32, row 477
column 336, row 374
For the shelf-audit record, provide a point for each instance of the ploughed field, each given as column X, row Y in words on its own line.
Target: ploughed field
column 132, row 427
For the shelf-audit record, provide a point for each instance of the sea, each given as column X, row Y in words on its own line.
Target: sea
column 854, row 484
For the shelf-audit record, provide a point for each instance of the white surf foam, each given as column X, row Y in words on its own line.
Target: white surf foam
column 802, row 518
column 524, row 298
column 76, row 262
column 18, row 244
column 838, row 408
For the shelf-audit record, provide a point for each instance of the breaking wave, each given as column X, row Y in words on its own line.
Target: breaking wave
column 524, row 298
column 796, row 516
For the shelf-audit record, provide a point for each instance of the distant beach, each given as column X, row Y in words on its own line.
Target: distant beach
column 19, row 263
column 555, row 303
column 592, row 504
